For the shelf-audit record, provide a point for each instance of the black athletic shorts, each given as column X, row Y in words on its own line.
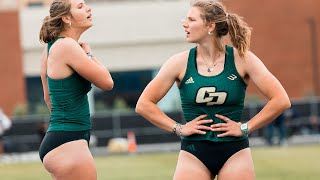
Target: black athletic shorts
column 213, row 154
column 53, row 139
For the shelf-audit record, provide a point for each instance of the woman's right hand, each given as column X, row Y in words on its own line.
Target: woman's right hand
column 196, row 126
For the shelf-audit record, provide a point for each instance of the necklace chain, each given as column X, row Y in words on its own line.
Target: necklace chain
column 210, row 68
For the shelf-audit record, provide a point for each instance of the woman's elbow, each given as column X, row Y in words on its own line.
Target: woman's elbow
column 110, row 85
column 286, row 104
column 107, row 85
column 139, row 107
column 46, row 99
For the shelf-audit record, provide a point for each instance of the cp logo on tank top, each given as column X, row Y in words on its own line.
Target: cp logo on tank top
column 210, row 96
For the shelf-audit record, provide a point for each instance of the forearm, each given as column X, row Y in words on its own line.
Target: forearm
column 96, row 60
column 105, row 83
column 102, row 66
column 153, row 113
column 270, row 111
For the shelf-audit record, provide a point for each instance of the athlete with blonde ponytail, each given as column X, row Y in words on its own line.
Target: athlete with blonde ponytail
column 67, row 70
column 212, row 78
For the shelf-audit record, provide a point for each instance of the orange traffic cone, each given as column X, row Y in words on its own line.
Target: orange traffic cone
column 132, row 145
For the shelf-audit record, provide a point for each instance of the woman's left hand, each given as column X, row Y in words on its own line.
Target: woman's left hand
column 230, row 127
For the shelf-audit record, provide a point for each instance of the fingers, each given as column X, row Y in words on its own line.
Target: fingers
column 224, row 129
column 204, row 121
column 200, row 120
column 199, row 132
column 203, row 128
column 219, row 125
column 224, row 134
column 200, row 117
column 227, row 128
column 224, row 118
column 198, row 125
column 199, row 129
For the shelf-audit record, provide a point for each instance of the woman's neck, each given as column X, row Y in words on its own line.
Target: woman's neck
column 71, row 34
column 208, row 51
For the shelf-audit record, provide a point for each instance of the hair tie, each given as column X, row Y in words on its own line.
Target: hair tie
column 227, row 15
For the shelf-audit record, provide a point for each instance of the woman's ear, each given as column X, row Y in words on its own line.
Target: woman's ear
column 66, row 19
column 211, row 26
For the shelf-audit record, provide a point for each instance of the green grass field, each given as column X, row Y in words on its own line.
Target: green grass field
column 289, row 163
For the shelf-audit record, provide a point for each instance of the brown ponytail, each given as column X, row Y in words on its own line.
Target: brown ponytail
column 240, row 32
column 53, row 25
column 44, row 31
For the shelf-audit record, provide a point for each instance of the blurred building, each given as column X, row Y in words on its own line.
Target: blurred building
column 137, row 36
column 12, row 76
column 28, row 3
column 286, row 36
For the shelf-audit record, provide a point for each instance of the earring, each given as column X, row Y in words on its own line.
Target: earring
column 210, row 33
column 69, row 23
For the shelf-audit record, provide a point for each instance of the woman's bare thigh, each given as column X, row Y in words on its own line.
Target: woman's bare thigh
column 239, row 166
column 71, row 160
column 190, row 167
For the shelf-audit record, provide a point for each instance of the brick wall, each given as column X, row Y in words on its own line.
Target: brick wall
column 282, row 40
column 12, row 87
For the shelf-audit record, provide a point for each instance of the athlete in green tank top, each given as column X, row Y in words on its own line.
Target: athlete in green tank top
column 68, row 67
column 220, row 94
column 212, row 90
column 69, row 102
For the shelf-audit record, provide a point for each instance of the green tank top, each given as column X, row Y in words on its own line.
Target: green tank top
column 220, row 94
column 69, row 102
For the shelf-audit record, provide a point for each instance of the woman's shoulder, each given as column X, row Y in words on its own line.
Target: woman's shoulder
column 177, row 63
column 248, row 63
column 63, row 45
column 66, row 43
column 249, row 55
column 179, row 57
